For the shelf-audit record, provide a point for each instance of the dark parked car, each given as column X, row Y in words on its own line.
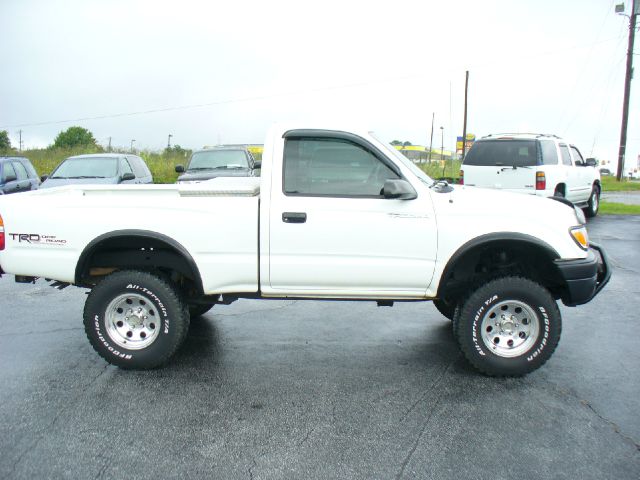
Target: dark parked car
column 17, row 175
column 227, row 161
column 99, row 168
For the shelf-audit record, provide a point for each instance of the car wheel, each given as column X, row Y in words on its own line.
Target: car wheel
column 135, row 320
column 594, row 203
column 508, row 327
column 558, row 192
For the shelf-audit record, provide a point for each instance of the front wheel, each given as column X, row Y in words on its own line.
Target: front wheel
column 508, row 327
column 594, row 203
column 135, row 319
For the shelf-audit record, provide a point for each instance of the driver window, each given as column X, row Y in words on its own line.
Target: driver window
column 124, row 166
column 576, row 156
column 8, row 171
column 332, row 167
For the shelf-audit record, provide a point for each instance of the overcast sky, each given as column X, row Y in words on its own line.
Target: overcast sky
column 222, row 72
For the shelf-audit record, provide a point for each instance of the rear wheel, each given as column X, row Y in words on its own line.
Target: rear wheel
column 135, row 319
column 594, row 202
column 508, row 327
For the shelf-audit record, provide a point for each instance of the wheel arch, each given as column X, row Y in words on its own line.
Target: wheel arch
column 522, row 248
column 137, row 249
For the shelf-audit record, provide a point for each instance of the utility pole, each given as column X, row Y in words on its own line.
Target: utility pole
column 169, row 142
column 433, row 116
column 133, row 140
column 442, row 150
column 627, row 87
column 20, row 141
column 109, row 147
column 464, row 128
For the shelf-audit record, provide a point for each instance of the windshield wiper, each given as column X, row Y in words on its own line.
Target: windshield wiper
column 514, row 167
column 86, row 176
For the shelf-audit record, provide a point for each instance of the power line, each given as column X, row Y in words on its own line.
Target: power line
column 522, row 57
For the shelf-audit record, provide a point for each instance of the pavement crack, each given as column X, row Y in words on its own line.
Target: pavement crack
column 407, row 458
column 48, row 428
column 253, row 465
column 585, row 403
column 614, row 425
column 433, row 385
column 101, row 472
column 306, row 437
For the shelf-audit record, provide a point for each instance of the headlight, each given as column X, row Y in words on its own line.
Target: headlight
column 580, row 236
column 580, row 215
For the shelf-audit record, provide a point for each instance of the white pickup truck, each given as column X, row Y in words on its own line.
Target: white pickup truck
column 337, row 214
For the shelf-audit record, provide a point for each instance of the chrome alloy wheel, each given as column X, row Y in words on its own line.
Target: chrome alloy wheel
column 132, row 321
column 595, row 200
column 510, row 328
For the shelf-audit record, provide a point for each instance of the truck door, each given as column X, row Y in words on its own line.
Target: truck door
column 333, row 233
column 583, row 177
column 24, row 183
column 9, row 178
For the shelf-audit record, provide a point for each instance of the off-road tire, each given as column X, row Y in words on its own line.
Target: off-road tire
column 150, row 335
column 509, row 326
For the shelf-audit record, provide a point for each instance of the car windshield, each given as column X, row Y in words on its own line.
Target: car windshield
column 508, row 153
column 405, row 161
column 87, row 167
column 213, row 159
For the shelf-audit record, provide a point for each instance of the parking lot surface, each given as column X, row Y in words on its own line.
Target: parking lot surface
column 294, row 389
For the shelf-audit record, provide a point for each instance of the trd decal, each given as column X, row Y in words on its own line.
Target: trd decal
column 35, row 238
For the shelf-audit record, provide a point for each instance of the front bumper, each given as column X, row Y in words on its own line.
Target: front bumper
column 584, row 278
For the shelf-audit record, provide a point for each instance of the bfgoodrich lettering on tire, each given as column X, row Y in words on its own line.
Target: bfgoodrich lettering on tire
column 135, row 319
column 508, row 327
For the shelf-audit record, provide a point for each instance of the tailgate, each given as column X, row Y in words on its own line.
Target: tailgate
column 521, row 179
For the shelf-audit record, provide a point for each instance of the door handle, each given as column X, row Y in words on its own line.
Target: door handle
column 294, row 217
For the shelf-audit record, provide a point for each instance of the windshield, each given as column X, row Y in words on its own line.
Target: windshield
column 405, row 161
column 508, row 153
column 88, row 167
column 212, row 159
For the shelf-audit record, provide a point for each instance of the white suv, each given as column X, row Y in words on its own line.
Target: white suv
column 536, row 164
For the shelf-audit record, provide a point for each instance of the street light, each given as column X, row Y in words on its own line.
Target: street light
column 442, row 149
column 133, row 140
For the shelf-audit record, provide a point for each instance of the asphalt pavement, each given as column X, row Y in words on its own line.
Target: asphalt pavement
column 306, row 390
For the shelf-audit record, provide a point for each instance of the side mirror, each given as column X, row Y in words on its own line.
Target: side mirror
column 179, row 169
column 44, row 177
column 10, row 178
column 591, row 162
column 127, row 176
column 257, row 164
column 399, row 189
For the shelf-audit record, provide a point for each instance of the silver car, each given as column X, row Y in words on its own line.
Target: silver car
column 99, row 168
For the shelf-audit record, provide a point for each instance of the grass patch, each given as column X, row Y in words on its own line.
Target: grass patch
column 612, row 208
column 438, row 169
column 610, row 184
